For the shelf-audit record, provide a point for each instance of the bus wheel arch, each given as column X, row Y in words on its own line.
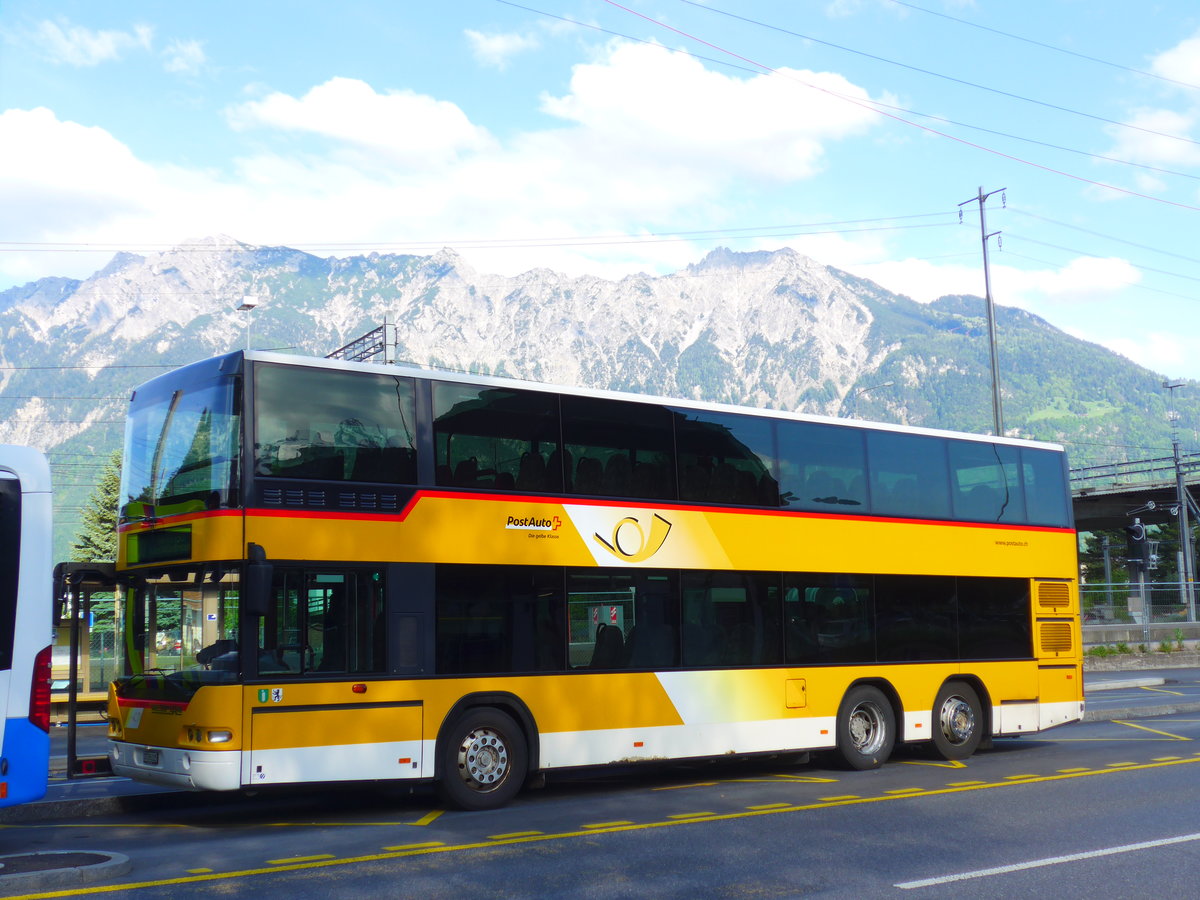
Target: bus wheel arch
column 960, row 719
column 866, row 725
column 486, row 749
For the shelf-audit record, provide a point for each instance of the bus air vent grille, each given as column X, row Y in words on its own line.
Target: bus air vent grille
column 1055, row 637
column 273, row 496
column 369, row 500
column 1054, row 596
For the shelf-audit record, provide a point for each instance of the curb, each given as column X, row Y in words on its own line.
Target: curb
column 109, row 865
column 1141, row 712
column 112, row 804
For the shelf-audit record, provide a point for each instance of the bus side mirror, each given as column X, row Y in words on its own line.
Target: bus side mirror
column 257, row 589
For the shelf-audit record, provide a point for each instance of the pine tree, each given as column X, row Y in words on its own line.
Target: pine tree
column 96, row 541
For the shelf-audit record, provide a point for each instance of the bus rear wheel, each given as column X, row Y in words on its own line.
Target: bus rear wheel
column 957, row 721
column 484, row 759
column 866, row 728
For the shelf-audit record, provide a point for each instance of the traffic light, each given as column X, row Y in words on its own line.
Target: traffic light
column 1137, row 548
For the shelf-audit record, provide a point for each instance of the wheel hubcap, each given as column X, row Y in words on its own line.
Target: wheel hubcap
column 957, row 720
column 867, row 731
column 483, row 759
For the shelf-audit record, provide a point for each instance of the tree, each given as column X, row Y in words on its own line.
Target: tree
column 96, row 541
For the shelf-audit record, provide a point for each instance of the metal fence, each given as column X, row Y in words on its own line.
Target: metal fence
column 1126, row 604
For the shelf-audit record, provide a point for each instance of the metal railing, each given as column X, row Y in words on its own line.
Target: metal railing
column 1125, row 604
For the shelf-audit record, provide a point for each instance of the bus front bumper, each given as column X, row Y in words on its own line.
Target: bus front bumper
column 198, row 770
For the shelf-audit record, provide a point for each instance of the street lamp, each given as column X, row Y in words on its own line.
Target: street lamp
column 248, row 304
column 1187, row 564
column 866, row 390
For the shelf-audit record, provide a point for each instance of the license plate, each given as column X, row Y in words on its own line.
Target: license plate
column 150, row 757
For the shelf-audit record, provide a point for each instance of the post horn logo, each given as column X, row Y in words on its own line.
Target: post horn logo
column 630, row 542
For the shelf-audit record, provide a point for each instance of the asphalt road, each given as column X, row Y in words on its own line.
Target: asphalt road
column 1097, row 809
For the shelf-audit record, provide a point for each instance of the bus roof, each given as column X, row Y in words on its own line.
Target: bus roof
column 228, row 363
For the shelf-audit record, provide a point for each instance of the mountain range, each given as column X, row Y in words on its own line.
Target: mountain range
column 763, row 329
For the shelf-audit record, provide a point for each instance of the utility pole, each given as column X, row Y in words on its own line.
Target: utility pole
column 981, row 199
column 1187, row 569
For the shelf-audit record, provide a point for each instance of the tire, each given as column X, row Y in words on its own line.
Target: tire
column 957, row 721
column 483, row 760
column 866, row 729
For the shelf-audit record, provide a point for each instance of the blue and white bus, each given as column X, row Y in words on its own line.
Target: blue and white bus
column 25, row 624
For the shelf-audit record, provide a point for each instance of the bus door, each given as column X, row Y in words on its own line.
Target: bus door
column 318, row 708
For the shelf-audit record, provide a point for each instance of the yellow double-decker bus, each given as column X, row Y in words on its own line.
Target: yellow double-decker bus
column 344, row 572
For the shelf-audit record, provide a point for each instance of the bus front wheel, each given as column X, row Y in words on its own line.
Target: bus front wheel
column 866, row 728
column 483, row 760
column 957, row 721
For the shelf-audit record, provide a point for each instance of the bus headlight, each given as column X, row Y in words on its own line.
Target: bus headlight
column 220, row 737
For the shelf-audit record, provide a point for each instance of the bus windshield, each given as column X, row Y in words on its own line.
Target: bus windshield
column 181, row 448
column 184, row 628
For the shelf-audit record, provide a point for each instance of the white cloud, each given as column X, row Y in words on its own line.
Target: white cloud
column 922, row 280
column 1159, row 148
column 647, row 104
column 78, row 46
column 1181, row 62
column 403, row 126
column 1157, row 351
column 644, row 138
column 184, row 57
column 497, row 49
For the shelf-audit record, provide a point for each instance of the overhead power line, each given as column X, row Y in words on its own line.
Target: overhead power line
column 1042, row 44
column 892, row 62
column 758, row 69
column 865, row 105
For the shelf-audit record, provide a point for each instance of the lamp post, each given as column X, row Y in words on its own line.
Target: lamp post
column 1187, row 565
column 248, row 304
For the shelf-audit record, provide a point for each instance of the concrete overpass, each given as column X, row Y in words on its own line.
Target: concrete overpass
column 1109, row 496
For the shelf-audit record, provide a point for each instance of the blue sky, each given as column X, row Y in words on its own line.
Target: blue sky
column 609, row 138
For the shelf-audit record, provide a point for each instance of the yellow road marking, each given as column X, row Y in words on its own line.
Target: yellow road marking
column 839, row 799
column 1163, row 691
column 911, row 790
column 1121, row 765
column 1025, row 777
column 683, row 787
column 1073, row 771
column 428, row 817
column 969, row 783
column 770, row 806
column 1165, row 758
column 947, row 764
column 513, row 834
column 610, row 824
column 1174, row 737
column 424, row 846
column 290, row 861
column 79, row 891
column 694, row 815
column 197, row 871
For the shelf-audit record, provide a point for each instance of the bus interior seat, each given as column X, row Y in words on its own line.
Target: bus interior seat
column 609, row 652
column 589, row 476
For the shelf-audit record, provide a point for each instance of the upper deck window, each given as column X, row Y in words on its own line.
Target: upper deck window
column 182, row 441
column 334, row 426
column 496, row 438
column 726, row 458
column 619, row 449
column 822, row 468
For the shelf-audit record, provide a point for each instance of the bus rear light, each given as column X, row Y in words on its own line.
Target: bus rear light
column 39, row 693
column 220, row 737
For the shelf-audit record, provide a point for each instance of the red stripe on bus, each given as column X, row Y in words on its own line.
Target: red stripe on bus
column 132, row 701
column 559, row 500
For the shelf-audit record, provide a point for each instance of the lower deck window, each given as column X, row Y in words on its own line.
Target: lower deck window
column 502, row 619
